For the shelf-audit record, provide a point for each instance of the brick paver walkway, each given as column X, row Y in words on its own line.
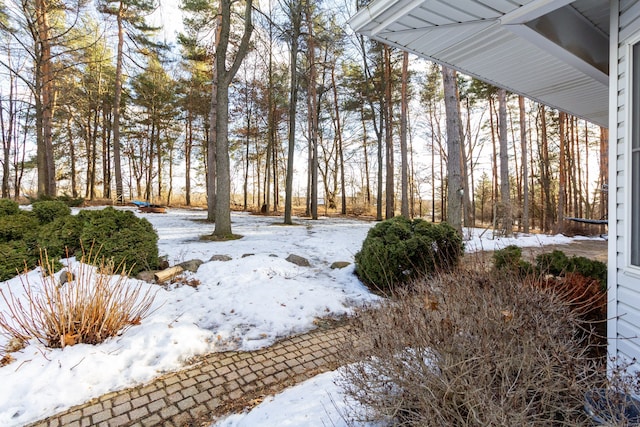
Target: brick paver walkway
column 215, row 384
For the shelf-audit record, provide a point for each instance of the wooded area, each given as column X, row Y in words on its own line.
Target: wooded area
column 270, row 105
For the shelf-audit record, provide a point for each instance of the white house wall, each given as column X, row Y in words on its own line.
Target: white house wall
column 624, row 295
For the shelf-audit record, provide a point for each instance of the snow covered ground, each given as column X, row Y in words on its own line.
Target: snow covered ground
column 245, row 303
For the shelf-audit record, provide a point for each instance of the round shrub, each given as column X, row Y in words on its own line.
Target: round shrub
column 122, row 236
column 8, row 207
column 510, row 258
column 18, row 226
column 61, row 237
column 398, row 250
column 48, row 210
column 15, row 256
column 559, row 264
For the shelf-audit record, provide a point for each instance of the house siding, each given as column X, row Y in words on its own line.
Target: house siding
column 624, row 296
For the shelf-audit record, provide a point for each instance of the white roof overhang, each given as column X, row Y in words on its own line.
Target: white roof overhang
column 553, row 51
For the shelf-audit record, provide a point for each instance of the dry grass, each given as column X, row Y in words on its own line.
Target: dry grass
column 92, row 306
column 471, row 348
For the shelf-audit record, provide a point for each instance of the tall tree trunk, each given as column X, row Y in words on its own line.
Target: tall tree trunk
column 313, row 116
column 380, row 182
column 467, row 172
column 106, row 153
column 170, row 173
column 367, row 183
column 296, row 18
column 72, row 158
column 404, row 168
column 338, row 128
column 224, row 77
column 117, row 97
column 44, row 102
column 454, row 175
column 245, row 186
column 7, row 127
column 545, row 174
column 159, row 155
column 212, row 143
column 377, row 123
column 505, row 193
column 271, row 123
column 187, row 158
column 525, row 169
column 389, row 188
column 562, row 174
column 603, row 180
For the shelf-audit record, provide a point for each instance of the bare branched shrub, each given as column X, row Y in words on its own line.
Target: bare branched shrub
column 615, row 404
column 93, row 305
column 471, row 348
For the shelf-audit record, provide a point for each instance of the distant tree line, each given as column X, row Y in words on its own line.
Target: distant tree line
column 267, row 107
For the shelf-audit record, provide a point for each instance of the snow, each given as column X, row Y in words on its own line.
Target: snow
column 242, row 304
column 317, row 402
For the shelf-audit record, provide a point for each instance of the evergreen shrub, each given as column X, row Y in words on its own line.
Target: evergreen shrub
column 559, row 264
column 50, row 228
column 122, row 236
column 65, row 198
column 8, row 207
column 510, row 258
column 70, row 201
column 48, row 210
column 61, row 237
column 398, row 250
column 19, row 226
column 15, row 256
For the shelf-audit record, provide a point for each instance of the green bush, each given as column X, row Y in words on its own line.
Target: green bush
column 121, row 235
column 48, row 210
column 559, row 264
column 65, row 198
column 15, row 255
column 8, row 207
column 398, row 250
column 61, row 237
column 50, row 228
column 70, row 201
column 18, row 227
column 510, row 258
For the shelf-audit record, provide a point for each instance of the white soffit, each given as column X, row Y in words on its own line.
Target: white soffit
column 495, row 41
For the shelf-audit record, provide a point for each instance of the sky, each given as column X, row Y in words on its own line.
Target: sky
column 243, row 304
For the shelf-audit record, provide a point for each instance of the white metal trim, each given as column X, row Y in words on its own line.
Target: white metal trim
column 401, row 12
column 629, row 43
column 559, row 52
column 612, row 264
column 533, row 10
column 369, row 13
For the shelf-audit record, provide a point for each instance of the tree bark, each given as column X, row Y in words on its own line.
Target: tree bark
column 525, row 168
column 296, row 18
column 44, row 102
column 454, row 176
column 562, row 174
column 505, row 192
column 313, row 116
column 404, row 205
column 603, row 180
column 224, row 77
column 389, row 162
column 117, row 167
